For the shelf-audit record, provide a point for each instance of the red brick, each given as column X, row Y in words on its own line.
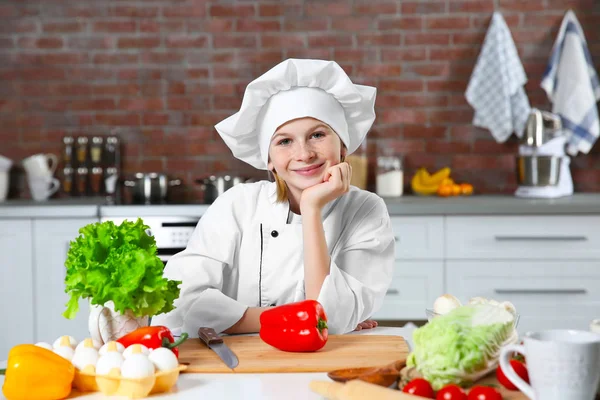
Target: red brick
column 134, row 12
column 155, row 119
column 468, row 38
column 404, row 54
column 141, row 104
column 318, row 53
column 6, row 43
column 431, row 69
column 353, row 55
column 402, row 23
column 419, row 7
column 179, row 103
column 68, row 89
column 197, row 73
column 92, row 43
column 521, row 5
column 237, row 11
column 154, row 26
column 401, row 85
column 493, row 147
column 226, row 103
column 52, row 58
column 457, row 100
column 423, row 101
column 472, row 6
column 447, row 147
column 41, row 74
column 476, row 162
column 239, row 72
column 447, row 23
column 40, row 43
column 18, row 26
column 214, row 25
column 184, row 11
column 414, row 38
column 122, row 89
column 283, row 40
column 450, row 116
column 138, row 42
column 248, row 25
column 117, row 119
column 260, row 56
column 381, row 7
column 186, row 40
column 382, row 70
column 352, row 24
column 305, row 24
column 331, row 8
column 483, row 21
column 116, row 58
column 270, row 10
column 115, row 26
column 329, row 40
column 542, row 20
column 405, row 116
column 234, row 41
column 96, row 104
column 453, row 53
column 423, row 132
column 8, row 11
column 379, row 39
column 163, row 57
column 64, row 27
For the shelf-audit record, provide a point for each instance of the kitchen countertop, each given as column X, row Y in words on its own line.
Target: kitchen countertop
column 579, row 203
column 289, row 386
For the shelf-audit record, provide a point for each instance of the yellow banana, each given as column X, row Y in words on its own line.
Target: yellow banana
column 437, row 178
column 419, row 184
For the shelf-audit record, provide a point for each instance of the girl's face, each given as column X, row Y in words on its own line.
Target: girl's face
column 301, row 150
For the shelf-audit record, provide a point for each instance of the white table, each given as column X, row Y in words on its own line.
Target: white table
column 288, row 386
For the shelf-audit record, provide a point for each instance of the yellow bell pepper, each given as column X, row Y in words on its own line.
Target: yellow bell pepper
column 35, row 373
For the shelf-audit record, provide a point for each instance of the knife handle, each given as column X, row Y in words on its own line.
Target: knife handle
column 209, row 336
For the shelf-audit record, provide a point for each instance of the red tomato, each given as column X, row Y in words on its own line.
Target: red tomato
column 419, row 387
column 451, row 392
column 519, row 368
column 484, row 393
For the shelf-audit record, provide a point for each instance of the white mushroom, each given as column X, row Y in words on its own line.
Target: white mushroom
column 96, row 344
column 111, row 346
column 64, row 348
column 144, row 350
column 445, row 303
column 45, row 345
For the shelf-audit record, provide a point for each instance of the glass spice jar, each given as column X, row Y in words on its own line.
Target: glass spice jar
column 82, row 178
column 96, row 150
column 67, row 183
column 390, row 179
column 82, row 143
column 68, row 150
column 96, row 180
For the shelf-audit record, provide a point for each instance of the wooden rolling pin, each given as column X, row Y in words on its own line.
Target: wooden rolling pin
column 358, row 390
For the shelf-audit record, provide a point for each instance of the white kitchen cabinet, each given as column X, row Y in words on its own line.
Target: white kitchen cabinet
column 16, row 288
column 419, row 237
column 520, row 237
column 547, row 294
column 415, row 286
column 51, row 240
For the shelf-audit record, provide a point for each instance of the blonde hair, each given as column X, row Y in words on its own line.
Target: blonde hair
column 282, row 189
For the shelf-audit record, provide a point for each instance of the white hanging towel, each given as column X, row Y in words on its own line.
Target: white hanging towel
column 495, row 90
column 571, row 83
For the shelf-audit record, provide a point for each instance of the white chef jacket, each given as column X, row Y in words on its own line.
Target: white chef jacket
column 246, row 252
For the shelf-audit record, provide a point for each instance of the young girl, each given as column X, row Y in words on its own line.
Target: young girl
column 309, row 234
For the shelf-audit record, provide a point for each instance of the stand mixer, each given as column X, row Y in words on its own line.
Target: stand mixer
column 543, row 168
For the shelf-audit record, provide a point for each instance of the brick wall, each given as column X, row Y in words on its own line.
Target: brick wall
column 161, row 73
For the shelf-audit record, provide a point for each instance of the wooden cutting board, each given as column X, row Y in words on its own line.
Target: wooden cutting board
column 254, row 355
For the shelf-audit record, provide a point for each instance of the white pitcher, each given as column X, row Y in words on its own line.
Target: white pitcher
column 105, row 324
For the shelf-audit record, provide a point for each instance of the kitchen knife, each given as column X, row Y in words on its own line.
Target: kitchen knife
column 215, row 343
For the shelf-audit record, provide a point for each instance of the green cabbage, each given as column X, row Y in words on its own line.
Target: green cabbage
column 463, row 345
column 118, row 263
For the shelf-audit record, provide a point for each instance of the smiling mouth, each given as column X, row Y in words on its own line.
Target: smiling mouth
column 313, row 169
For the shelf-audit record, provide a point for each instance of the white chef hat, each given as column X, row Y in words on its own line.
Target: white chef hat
column 297, row 88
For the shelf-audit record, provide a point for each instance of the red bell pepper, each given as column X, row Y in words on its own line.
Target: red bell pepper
column 295, row 327
column 153, row 337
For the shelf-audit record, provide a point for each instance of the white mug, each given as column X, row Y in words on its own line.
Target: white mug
column 42, row 188
column 562, row 364
column 37, row 165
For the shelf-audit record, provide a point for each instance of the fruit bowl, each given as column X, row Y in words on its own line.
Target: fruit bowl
column 431, row 314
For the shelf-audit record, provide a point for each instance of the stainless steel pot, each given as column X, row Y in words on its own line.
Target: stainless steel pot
column 538, row 170
column 150, row 188
column 214, row 186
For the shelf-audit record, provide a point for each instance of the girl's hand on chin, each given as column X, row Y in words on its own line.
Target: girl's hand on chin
column 336, row 182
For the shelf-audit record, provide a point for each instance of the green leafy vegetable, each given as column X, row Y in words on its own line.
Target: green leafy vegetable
column 462, row 345
column 118, row 263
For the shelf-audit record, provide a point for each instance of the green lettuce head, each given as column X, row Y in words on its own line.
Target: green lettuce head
column 461, row 346
column 118, row 263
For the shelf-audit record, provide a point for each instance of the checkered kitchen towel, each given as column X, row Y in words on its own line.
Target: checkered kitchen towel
column 571, row 83
column 495, row 89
